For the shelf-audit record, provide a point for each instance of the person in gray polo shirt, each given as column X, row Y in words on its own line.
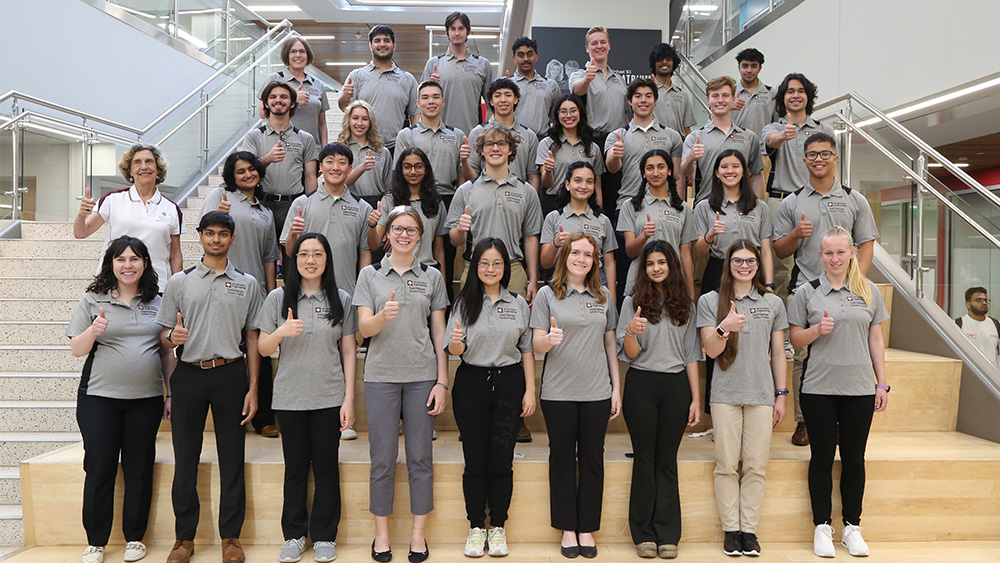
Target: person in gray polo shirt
column 657, row 336
column 539, row 94
column 839, row 317
column 336, row 213
column 389, row 89
column 401, row 307
column 573, row 324
column 208, row 314
column 603, row 87
column 753, row 106
column 463, row 76
column 370, row 179
column 121, row 396
column 673, row 106
column 740, row 323
column 310, row 93
column 314, row 323
column 503, row 97
column 570, row 139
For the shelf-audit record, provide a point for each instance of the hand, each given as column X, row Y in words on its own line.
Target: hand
column 881, row 399
column 348, row 89
column 528, row 404
column 591, row 72
column 369, row 162
column 718, row 227
column 739, row 103
column 434, row 75
column 87, row 204
column 457, row 334
column 180, row 334
column 618, row 149
column 298, row 223
column 616, row 404
column 649, row 227
column 637, row 325
column 391, row 309
column 550, row 163
column 826, row 323
column 224, row 205
column 465, row 221
column 167, row 408
column 697, row 150
column 301, row 96
column 376, row 215
column 734, row 321
column 249, row 406
column 694, row 414
column 464, row 151
column 346, row 415
column 100, row 323
column 531, row 291
column 803, row 229
column 508, row 75
column 436, row 400
column 292, row 327
column 779, row 411
column 555, row 333
column 276, row 154
column 790, row 129
column 560, row 238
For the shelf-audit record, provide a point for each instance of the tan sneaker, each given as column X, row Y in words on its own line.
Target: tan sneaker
column 182, row 552
column 232, row 551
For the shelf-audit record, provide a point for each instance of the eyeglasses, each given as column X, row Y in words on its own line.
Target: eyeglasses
column 418, row 166
column 979, row 300
column 825, row 155
column 497, row 144
column 318, row 256
column 571, row 111
column 740, row 261
column 297, row 52
column 398, row 230
column 485, row 264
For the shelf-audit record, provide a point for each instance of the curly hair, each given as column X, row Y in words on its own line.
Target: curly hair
column 675, row 300
column 125, row 164
column 372, row 137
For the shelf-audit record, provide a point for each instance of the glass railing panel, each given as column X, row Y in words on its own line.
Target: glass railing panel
column 51, row 173
column 6, row 173
column 233, row 110
column 694, row 88
column 702, row 26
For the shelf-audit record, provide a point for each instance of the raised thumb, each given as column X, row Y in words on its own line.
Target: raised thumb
column 803, row 215
column 619, row 137
column 638, row 312
column 716, row 215
column 180, row 321
column 826, row 313
column 224, row 198
column 299, row 212
column 86, row 193
column 550, row 154
column 101, row 310
column 697, row 139
column 649, row 218
column 508, row 74
column 561, row 228
column 435, row 68
column 291, row 317
column 465, row 140
column 392, row 296
column 378, row 207
column 553, row 321
column 458, row 325
column 732, row 305
column 348, row 79
column 466, row 209
column 369, row 153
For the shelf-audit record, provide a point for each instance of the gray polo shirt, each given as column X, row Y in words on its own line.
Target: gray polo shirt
column 790, row 172
column 639, row 141
column 664, row 347
column 507, row 210
column 377, row 180
column 392, row 93
column 343, row 220
column 125, row 360
column 285, row 177
column 755, row 225
column 306, row 116
column 673, row 226
column 523, row 164
column 758, row 110
column 607, row 108
column 310, row 370
column 716, row 141
column 539, row 96
column 567, row 154
column 841, row 206
column 402, row 352
column 433, row 227
column 577, row 369
column 596, row 225
column 216, row 310
column 838, row 363
column 499, row 336
column 465, row 82
column 255, row 241
column 673, row 107
column 441, row 145
column 749, row 380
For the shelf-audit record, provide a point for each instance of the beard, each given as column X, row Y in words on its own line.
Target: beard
column 383, row 59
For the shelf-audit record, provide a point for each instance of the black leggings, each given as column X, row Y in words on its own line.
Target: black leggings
column 710, row 281
column 825, row 415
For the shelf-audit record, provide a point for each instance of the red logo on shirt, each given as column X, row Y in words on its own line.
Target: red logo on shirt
column 753, row 310
column 499, row 309
column 829, row 204
column 319, row 310
column 506, row 194
column 229, row 284
column 850, row 298
column 590, row 305
column 409, row 283
column 343, row 208
column 141, row 307
column 666, row 212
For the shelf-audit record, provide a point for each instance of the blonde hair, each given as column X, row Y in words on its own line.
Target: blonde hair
column 857, row 283
column 596, row 29
column 125, row 164
column 372, row 136
column 719, row 82
column 593, row 279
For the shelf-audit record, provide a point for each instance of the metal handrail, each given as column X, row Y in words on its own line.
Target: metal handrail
column 915, row 140
column 28, row 115
column 694, row 68
column 256, row 15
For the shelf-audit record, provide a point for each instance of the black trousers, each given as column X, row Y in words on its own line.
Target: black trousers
column 487, row 406
column 449, row 255
column 311, row 439
column 622, row 261
column 195, row 390
column 710, row 281
column 655, row 406
column 265, row 395
column 825, row 416
column 113, row 428
column 576, row 462
column 280, row 210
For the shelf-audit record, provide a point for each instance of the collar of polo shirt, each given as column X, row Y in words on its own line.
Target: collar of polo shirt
column 346, row 195
column 505, row 295
column 824, row 285
column 133, row 194
column 424, row 127
column 650, row 198
column 318, row 295
column 511, row 179
column 568, row 212
column 710, row 126
column 449, row 56
column 372, row 66
column 837, row 190
column 563, row 139
column 570, row 290
column 269, row 130
column 761, row 88
column 673, row 86
column 654, row 124
column 202, row 270
column 387, row 268
column 753, row 295
column 107, row 298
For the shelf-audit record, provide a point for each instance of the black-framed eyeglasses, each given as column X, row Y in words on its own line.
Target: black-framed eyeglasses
column 736, row 261
column 825, row 155
column 399, row 229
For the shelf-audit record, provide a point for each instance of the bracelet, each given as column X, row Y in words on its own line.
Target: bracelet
column 168, row 396
column 441, row 385
column 627, row 333
column 771, row 285
column 780, row 392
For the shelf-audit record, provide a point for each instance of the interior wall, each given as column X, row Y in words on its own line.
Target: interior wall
column 640, row 14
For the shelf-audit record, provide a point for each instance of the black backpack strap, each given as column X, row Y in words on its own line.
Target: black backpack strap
column 847, row 190
column 262, row 128
column 377, row 266
column 189, row 270
column 815, row 283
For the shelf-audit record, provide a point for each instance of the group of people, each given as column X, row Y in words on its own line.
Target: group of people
column 365, row 232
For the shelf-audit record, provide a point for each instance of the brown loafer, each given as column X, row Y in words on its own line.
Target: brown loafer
column 182, row 552
column 801, row 436
column 269, row 431
column 232, row 551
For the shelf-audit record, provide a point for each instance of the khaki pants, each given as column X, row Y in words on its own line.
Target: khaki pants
column 518, row 278
column 782, row 266
column 742, row 435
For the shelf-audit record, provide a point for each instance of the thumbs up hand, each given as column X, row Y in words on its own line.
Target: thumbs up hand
column 180, row 334
column 298, row 223
column 376, row 215
column 790, row 129
column 826, row 323
column 457, row 335
column 276, row 154
column 100, row 323
column 718, row 227
column 224, row 205
column 637, row 325
column 391, row 309
column 560, row 238
column 555, row 333
column 465, row 221
column 301, row 96
column 87, row 204
column 804, row 228
column 464, row 151
column 348, row 89
column 591, row 72
column 698, row 149
column 618, row 149
column 734, row 321
column 649, row 227
column 434, row 75
column 369, row 161
column 550, row 162
column 739, row 103
column 292, row 327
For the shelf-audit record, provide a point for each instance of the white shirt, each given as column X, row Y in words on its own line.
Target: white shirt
column 152, row 222
column 984, row 335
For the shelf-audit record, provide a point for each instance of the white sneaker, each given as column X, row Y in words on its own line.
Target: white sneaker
column 94, row 554
column 292, row 550
column 853, row 541
column 789, row 350
column 134, row 551
column 349, row 434
column 475, row 544
column 823, row 541
column 497, row 540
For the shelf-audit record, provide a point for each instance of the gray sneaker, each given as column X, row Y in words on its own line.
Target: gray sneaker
column 292, row 550
column 324, row 551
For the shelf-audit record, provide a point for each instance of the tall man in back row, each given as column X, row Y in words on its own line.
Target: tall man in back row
column 539, row 94
column 673, row 107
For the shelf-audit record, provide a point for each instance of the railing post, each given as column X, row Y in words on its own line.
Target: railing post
column 203, row 137
column 229, row 18
column 15, row 170
column 725, row 22
column 173, row 20
column 846, row 149
column 688, row 36
column 921, row 171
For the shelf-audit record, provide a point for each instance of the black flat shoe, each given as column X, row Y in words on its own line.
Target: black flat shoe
column 419, row 556
column 588, row 551
column 381, row 556
column 571, row 552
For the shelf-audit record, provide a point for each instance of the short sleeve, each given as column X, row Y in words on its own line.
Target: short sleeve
column 597, row 161
column 798, row 307
column 271, row 251
column 170, row 305
column 362, row 290
column 428, row 69
column 692, row 343
column 104, row 207
column 532, row 224
column 255, row 304
column 350, row 322
column 577, row 76
column 610, row 242
column 678, row 147
column 386, row 172
column 550, row 226
column 269, row 318
column 706, row 313
column 864, row 229
column 439, row 297
column 688, row 233
column 411, row 102
column 779, row 321
column 457, row 205
column 766, row 226
column 540, row 309
column 612, row 320
column 532, row 148
column 768, row 129
column 400, row 144
column 754, row 161
column 525, row 344
column 323, row 99
column 688, row 119
column 293, row 210
column 82, row 318
column 363, row 228
column 612, row 138
column 702, row 218
column 309, row 150
column 626, row 218
column 879, row 312
column 689, row 142
column 542, row 152
column 386, row 207
column 211, row 202
column 784, row 220
column 442, row 214
column 628, row 311
column 249, row 143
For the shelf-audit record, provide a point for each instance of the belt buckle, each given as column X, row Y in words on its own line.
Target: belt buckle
column 202, row 365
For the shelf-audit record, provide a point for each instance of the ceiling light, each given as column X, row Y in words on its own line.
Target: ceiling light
column 462, row 3
column 195, row 12
column 317, row 37
column 934, row 101
column 288, row 8
column 700, row 8
column 939, row 165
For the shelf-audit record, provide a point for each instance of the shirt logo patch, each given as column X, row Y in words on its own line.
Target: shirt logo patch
column 318, row 309
column 590, row 305
column 513, row 197
column 416, row 286
column 409, row 283
column 237, row 289
column 229, row 284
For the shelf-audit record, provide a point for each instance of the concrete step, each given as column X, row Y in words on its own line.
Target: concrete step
column 63, row 267
column 42, row 308
column 10, row 485
column 39, row 358
column 37, row 416
column 11, row 526
column 35, row 230
column 16, row 447
column 25, row 333
column 195, row 202
column 91, row 248
column 39, row 386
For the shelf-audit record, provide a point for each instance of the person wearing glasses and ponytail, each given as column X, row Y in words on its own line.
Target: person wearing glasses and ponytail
column 743, row 328
column 839, row 317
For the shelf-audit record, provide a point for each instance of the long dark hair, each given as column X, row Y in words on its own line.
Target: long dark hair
column 430, row 199
column 229, row 171
column 583, row 128
column 747, row 201
column 675, row 198
column 471, row 296
column 676, row 301
column 328, row 281
column 564, row 195
column 727, row 293
column 105, row 280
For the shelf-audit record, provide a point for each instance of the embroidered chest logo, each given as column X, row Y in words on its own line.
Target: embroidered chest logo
column 760, row 313
column 507, row 314
column 416, row 286
column 236, row 288
column 513, row 197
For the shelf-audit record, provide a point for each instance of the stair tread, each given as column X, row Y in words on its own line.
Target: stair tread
column 39, row 437
column 9, row 472
column 37, row 404
column 10, row 512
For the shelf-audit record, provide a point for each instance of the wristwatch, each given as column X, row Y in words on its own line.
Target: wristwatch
column 721, row 332
column 883, row 387
column 169, row 334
